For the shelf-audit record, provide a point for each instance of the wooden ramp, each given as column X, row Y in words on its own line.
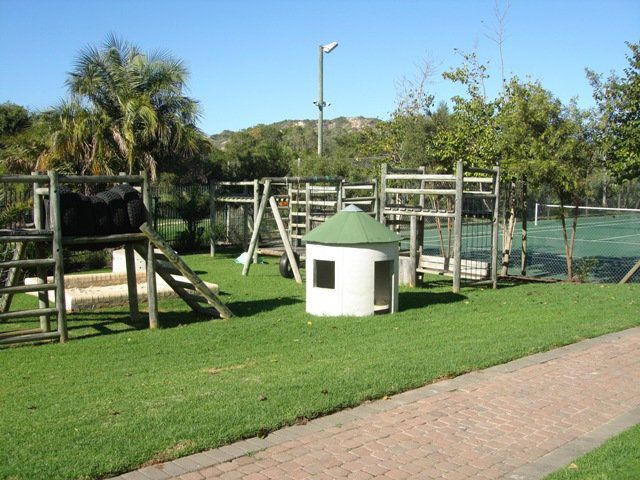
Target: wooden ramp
column 193, row 291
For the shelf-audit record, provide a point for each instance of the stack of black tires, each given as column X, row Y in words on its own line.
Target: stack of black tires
column 119, row 210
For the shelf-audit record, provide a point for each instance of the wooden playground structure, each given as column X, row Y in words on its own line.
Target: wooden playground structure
column 49, row 242
column 466, row 199
column 299, row 204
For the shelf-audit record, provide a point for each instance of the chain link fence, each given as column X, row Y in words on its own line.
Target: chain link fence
column 606, row 241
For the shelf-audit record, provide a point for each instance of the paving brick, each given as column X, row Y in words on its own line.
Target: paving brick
column 521, row 420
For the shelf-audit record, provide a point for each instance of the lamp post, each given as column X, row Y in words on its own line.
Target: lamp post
column 320, row 103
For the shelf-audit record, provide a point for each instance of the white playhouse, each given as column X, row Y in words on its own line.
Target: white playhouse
column 352, row 266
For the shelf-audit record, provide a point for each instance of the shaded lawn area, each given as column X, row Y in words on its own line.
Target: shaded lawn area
column 616, row 459
column 118, row 395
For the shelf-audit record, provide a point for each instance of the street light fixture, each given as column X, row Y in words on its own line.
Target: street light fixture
column 320, row 103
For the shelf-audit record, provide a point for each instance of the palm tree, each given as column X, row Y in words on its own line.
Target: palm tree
column 127, row 111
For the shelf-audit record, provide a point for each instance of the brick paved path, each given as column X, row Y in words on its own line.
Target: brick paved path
column 520, row 420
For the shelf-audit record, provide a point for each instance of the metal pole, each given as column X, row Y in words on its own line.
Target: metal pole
column 320, row 99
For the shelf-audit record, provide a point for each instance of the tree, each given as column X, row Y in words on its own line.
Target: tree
column 618, row 123
column 127, row 110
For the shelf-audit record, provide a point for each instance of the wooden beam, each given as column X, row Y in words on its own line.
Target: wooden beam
column 285, row 239
column 256, row 226
column 152, row 290
column 495, row 226
column 631, row 272
column 132, row 283
column 56, row 227
column 189, row 274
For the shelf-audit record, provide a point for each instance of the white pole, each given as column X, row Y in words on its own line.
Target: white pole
column 535, row 220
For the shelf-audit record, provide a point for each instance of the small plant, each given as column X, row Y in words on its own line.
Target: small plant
column 583, row 269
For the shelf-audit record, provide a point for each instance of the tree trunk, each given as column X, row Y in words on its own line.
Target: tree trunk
column 569, row 242
column 523, row 250
column 509, row 225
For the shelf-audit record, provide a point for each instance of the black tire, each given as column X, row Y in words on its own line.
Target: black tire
column 117, row 211
column 86, row 228
column 134, row 206
column 285, row 267
column 70, row 218
column 101, row 215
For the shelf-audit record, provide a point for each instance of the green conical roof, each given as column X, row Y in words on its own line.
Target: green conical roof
column 351, row 226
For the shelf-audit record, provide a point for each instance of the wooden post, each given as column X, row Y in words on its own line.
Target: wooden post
column 56, row 227
column 285, row 240
column 256, row 226
column 631, row 272
column 212, row 217
column 457, row 228
column 307, row 207
column 291, row 212
column 339, row 196
column 41, row 272
column 175, row 260
column 256, row 206
column 413, row 249
column 374, row 194
column 383, row 194
column 495, row 227
column 245, row 221
column 132, row 283
column 152, row 291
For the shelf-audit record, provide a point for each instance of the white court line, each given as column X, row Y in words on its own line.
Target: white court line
column 595, row 225
column 585, row 240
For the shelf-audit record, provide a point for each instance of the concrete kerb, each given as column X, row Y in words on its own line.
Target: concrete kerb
column 538, row 469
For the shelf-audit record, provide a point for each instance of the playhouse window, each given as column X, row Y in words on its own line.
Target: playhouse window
column 325, row 274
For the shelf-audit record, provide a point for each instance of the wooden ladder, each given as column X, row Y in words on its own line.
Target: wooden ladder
column 14, row 269
column 191, row 288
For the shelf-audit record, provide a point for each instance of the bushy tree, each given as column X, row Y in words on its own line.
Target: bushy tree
column 127, row 110
column 618, row 121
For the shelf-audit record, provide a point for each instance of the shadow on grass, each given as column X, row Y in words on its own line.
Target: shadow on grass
column 93, row 324
column 424, row 298
column 251, row 307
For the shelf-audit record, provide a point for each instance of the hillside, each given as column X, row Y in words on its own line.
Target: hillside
column 303, row 128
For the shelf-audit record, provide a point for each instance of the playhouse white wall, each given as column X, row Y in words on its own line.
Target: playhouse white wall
column 353, row 294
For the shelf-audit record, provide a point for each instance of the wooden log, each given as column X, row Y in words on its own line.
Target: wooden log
column 27, row 179
column 43, row 296
column 256, row 207
column 15, row 267
column 422, row 191
column 256, row 226
column 26, row 313
column 457, row 228
column 132, row 283
column 152, row 290
column 29, row 337
column 39, row 262
column 383, row 194
column 495, row 225
column 421, row 176
column 116, row 239
column 413, row 250
column 93, row 179
column 36, row 287
column 631, row 272
column 212, row 218
column 285, row 240
column 189, row 274
column 56, row 227
column 307, row 207
column 418, row 213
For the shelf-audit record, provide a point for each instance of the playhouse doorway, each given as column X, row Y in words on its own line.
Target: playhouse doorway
column 383, row 286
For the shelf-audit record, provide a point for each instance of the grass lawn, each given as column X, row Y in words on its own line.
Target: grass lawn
column 118, row 395
column 617, row 459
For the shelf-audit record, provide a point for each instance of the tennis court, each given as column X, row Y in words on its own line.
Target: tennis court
column 607, row 244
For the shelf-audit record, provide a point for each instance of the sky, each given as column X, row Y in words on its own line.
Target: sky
column 254, row 62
